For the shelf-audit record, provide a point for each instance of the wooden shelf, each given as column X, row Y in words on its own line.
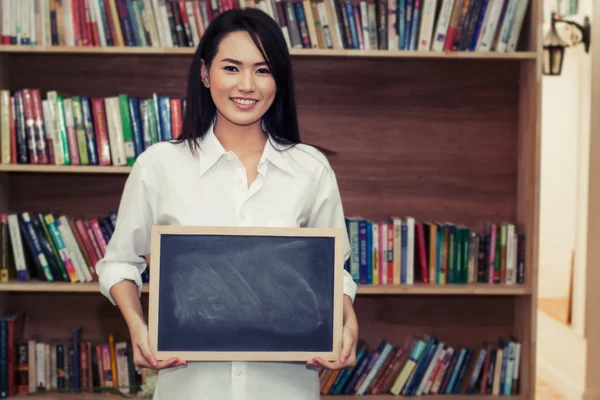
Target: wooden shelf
column 450, row 289
column 416, row 289
column 97, row 396
column 61, row 287
column 65, row 169
column 184, row 51
column 425, row 162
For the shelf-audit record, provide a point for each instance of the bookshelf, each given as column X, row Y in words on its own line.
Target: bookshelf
column 112, row 51
column 341, row 397
column 70, row 169
column 448, row 136
column 480, row 289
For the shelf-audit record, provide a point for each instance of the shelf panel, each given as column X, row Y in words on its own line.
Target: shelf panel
column 428, row 397
column 185, row 51
column 448, row 289
column 65, row 169
column 62, row 287
column 416, row 289
column 97, row 396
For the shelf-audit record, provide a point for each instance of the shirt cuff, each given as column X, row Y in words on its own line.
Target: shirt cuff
column 115, row 273
column 349, row 286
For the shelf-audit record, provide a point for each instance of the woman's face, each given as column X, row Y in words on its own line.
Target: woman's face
column 240, row 82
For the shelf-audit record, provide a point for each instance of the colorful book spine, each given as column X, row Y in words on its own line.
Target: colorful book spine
column 61, row 248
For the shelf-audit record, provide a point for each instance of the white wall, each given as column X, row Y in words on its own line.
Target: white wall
column 561, row 357
column 581, row 239
column 561, row 125
column 562, row 351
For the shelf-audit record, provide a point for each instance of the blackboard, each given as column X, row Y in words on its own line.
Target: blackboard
column 246, row 293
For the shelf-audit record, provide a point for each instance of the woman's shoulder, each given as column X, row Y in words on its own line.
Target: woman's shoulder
column 166, row 149
column 309, row 158
column 164, row 155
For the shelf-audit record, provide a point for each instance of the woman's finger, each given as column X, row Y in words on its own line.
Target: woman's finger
column 327, row 364
column 171, row 362
column 347, row 345
column 147, row 353
column 181, row 362
column 141, row 362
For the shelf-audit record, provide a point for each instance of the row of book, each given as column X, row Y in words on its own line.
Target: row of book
column 426, row 365
column 75, row 364
column 400, row 251
column 52, row 248
column 407, row 251
column 423, row 25
column 79, row 130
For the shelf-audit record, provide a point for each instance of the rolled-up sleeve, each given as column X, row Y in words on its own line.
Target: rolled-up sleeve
column 328, row 212
column 130, row 242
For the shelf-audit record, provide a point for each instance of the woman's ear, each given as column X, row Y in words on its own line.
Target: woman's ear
column 204, row 74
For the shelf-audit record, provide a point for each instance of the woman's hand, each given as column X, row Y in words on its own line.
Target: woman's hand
column 143, row 356
column 349, row 341
column 125, row 294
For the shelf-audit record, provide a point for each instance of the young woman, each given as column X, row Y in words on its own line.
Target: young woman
column 239, row 161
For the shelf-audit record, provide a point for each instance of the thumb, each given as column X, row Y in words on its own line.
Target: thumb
column 144, row 347
column 347, row 344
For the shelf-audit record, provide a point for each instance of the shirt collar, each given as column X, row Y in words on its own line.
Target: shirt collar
column 279, row 156
column 211, row 151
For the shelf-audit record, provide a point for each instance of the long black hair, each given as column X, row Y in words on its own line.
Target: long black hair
column 280, row 120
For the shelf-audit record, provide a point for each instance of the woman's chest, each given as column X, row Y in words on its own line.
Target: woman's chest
column 224, row 199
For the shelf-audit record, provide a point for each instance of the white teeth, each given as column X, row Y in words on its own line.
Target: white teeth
column 244, row 101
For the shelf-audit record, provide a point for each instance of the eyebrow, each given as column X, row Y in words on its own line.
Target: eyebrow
column 231, row 60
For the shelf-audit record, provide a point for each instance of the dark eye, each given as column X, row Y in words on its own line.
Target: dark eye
column 264, row 71
column 230, row 68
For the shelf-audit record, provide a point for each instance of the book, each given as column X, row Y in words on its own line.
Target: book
column 418, row 25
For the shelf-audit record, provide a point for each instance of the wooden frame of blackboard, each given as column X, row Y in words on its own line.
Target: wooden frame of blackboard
column 154, row 288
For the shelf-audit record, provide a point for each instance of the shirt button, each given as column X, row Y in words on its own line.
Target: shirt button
column 243, row 215
column 238, row 372
column 239, row 180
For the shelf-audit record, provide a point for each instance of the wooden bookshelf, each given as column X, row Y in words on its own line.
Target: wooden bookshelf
column 65, row 169
column 184, row 51
column 437, row 136
column 477, row 289
column 448, row 289
column 60, row 396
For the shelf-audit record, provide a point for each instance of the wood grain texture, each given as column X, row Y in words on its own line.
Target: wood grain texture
column 91, row 76
column 52, row 316
column 4, row 192
column 528, row 214
column 76, row 195
column 442, row 139
column 458, row 320
column 65, row 169
column 4, row 82
column 92, row 396
column 427, row 146
column 313, row 53
column 409, row 140
column 475, row 289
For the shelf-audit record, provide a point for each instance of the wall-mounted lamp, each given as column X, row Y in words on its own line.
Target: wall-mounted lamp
column 554, row 46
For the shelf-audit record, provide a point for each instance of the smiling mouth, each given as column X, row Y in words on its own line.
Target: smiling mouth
column 244, row 102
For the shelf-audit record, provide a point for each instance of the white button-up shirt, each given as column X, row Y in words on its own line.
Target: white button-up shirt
column 168, row 185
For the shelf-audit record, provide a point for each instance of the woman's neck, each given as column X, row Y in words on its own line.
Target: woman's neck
column 238, row 138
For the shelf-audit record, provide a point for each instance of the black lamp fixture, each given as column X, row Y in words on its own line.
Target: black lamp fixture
column 554, row 46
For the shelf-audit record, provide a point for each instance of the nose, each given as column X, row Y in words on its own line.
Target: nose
column 246, row 83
